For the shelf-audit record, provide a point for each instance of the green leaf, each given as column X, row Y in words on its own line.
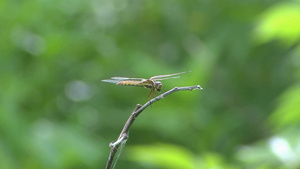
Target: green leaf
column 288, row 110
column 162, row 155
column 280, row 22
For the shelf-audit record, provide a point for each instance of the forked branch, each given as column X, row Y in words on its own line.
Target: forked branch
column 117, row 146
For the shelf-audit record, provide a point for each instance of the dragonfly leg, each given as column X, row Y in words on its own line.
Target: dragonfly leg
column 149, row 94
column 154, row 94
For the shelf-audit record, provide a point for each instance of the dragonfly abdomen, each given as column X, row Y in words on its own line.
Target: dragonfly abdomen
column 130, row 83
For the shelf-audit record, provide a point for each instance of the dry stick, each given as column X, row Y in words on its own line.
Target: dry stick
column 115, row 146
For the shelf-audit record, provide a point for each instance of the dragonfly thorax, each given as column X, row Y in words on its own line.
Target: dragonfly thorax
column 157, row 85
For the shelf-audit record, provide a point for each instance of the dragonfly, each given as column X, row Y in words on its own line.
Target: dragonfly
column 153, row 83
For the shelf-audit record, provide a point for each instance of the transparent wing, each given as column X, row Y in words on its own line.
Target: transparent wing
column 126, row 78
column 163, row 77
column 111, row 81
column 174, row 77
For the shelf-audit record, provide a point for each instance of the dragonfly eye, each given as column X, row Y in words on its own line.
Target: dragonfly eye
column 158, row 86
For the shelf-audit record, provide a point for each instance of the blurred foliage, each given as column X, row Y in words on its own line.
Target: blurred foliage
column 56, row 113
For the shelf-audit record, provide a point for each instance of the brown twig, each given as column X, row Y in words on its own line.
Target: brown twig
column 118, row 145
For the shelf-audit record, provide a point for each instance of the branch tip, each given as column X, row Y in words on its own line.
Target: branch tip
column 121, row 139
column 199, row 87
column 138, row 106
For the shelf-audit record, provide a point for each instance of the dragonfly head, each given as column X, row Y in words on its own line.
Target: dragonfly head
column 157, row 85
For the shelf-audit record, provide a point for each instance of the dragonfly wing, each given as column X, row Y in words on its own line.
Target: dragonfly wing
column 174, row 77
column 162, row 76
column 126, row 78
column 111, row 81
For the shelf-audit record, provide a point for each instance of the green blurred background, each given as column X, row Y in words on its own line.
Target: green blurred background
column 56, row 113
